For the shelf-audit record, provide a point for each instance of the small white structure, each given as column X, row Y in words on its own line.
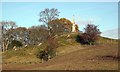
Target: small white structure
column 73, row 28
column 74, row 25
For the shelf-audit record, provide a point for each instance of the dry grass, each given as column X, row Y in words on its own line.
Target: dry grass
column 70, row 56
column 81, row 58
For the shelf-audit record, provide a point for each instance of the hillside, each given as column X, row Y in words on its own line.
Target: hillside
column 70, row 56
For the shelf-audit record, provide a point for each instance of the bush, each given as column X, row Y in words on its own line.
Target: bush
column 43, row 55
column 50, row 50
column 90, row 35
column 82, row 39
column 15, row 43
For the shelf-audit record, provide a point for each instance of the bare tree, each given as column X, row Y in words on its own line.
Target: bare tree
column 38, row 34
column 5, row 27
column 48, row 15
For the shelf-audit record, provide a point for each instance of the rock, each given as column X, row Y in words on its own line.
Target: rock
column 39, row 44
column 25, row 46
column 68, row 36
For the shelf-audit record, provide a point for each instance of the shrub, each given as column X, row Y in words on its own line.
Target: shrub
column 90, row 35
column 50, row 51
column 82, row 39
column 52, row 45
column 15, row 43
column 43, row 55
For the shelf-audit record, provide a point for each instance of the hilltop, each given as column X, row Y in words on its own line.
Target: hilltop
column 71, row 55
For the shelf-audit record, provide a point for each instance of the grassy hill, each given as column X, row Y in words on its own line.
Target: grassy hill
column 71, row 55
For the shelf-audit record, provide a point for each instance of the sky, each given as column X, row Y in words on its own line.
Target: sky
column 59, row 0
column 103, row 14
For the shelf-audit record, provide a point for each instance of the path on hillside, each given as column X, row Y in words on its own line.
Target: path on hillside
column 76, row 57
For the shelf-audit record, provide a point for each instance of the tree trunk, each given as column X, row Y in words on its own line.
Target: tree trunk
column 3, row 47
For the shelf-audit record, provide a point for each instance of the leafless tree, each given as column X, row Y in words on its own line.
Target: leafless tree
column 5, row 27
column 48, row 15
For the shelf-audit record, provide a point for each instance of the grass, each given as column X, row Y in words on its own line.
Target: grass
column 63, row 40
column 71, row 55
column 78, row 57
column 23, row 55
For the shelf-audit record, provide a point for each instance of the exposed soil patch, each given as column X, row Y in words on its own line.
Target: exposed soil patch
column 108, row 57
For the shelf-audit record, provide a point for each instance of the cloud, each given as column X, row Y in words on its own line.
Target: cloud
column 113, row 33
column 84, row 22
